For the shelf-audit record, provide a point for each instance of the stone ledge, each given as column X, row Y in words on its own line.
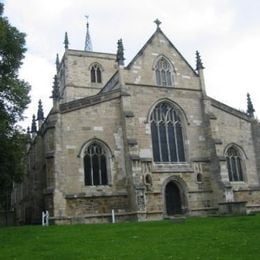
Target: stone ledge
column 134, row 157
column 131, row 141
column 204, row 209
column 201, row 191
column 49, row 155
column 212, row 116
column 201, row 159
column 174, row 168
column 146, row 159
column 217, row 141
column 129, row 114
column 94, row 195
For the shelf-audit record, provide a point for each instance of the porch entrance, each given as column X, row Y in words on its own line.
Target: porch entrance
column 173, row 199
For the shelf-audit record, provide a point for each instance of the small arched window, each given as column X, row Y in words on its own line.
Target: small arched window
column 235, row 172
column 95, row 73
column 95, row 165
column 166, row 130
column 163, row 73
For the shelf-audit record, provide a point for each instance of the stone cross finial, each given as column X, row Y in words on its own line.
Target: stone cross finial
column 157, row 22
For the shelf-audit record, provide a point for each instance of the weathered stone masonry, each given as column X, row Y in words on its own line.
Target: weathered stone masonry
column 97, row 151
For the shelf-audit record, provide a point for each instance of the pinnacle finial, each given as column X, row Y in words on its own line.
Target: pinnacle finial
column 57, row 62
column 40, row 114
column 199, row 64
column 157, row 22
column 55, row 89
column 120, row 52
column 33, row 128
column 66, row 41
column 28, row 135
column 88, row 43
column 250, row 107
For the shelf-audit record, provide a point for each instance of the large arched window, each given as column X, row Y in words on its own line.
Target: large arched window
column 95, row 73
column 95, row 165
column 234, row 165
column 166, row 130
column 163, row 73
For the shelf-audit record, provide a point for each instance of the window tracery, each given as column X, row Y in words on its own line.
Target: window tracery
column 95, row 165
column 234, row 164
column 167, row 137
column 163, row 73
column 95, row 73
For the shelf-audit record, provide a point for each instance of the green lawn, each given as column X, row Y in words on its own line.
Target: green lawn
column 195, row 238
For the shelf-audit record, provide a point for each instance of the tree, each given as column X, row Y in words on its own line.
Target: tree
column 14, row 98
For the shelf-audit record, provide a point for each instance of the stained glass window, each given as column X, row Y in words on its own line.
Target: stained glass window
column 166, row 131
column 95, row 165
column 234, row 165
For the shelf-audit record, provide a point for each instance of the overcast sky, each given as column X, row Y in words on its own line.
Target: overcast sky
column 226, row 32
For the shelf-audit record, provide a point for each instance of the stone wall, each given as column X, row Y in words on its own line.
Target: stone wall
column 74, row 74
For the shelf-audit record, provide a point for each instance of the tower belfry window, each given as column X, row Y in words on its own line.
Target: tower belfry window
column 163, row 73
column 95, row 74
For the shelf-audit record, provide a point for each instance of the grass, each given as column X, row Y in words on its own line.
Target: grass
column 196, row 238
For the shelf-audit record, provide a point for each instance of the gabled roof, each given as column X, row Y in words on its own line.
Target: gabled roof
column 158, row 30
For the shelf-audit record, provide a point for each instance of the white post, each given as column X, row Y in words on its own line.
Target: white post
column 43, row 218
column 47, row 218
column 113, row 216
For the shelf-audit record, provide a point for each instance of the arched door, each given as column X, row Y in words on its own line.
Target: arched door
column 172, row 199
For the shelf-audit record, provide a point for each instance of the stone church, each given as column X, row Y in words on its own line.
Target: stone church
column 142, row 139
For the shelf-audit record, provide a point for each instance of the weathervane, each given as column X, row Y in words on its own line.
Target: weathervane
column 87, row 18
column 88, row 43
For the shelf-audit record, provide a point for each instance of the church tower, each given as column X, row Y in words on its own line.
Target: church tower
column 83, row 73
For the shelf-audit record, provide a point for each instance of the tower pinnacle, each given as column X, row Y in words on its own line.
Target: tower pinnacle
column 120, row 53
column 33, row 127
column 40, row 114
column 88, row 43
column 250, row 107
column 66, row 41
column 57, row 62
column 55, row 89
column 199, row 64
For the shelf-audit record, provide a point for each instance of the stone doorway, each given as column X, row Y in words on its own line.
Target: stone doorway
column 173, row 199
